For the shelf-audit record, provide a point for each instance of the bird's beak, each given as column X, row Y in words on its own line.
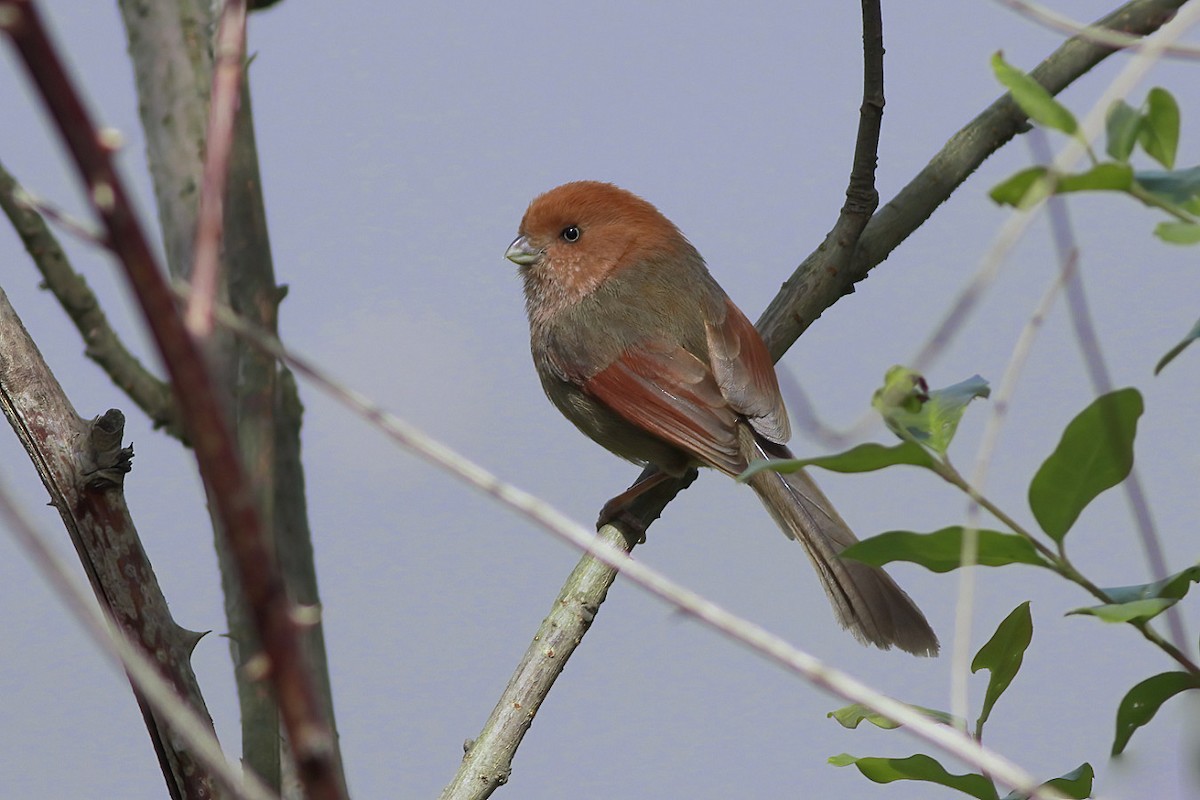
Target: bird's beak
column 522, row 252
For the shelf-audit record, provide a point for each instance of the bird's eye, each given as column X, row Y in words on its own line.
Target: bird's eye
column 570, row 234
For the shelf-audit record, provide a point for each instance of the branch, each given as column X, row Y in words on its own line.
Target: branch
column 814, row 287
column 102, row 345
column 185, row 724
column 83, row 466
column 1054, row 21
column 224, row 476
column 230, row 46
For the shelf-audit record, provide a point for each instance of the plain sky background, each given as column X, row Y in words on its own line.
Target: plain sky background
column 400, row 144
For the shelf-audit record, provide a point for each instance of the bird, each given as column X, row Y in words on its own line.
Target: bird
column 640, row 348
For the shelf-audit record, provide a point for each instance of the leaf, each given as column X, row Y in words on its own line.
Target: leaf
column 1174, row 586
column 1178, row 232
column 1022, row 190
column 850, row 716
column 918, row 767
column 1094, row 454
column 1076, row 784
column 916, row 414
column 941, row 551
column 1108, row 176
column 1192, row 336
column 1142, row 702
column 1143, row 601
column 1121, row 126
column 1032, row 97
column 1031, row 185
column 863, row 458
column 1126, row 612
column 1159, row 134
column 1177, row 186
column 1002, row 656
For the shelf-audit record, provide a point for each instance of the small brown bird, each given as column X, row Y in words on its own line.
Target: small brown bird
column 638, row 346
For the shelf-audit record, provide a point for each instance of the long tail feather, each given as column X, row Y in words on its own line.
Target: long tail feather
column 865, row 599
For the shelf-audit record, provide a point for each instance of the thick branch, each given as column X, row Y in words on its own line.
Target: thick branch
column 83, row 466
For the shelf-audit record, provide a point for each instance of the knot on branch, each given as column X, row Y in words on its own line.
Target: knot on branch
column 106, row 461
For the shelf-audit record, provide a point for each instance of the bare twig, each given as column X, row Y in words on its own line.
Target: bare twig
column 1048, row 18
column 230, row 50
column 102, row 343
column 309, row 732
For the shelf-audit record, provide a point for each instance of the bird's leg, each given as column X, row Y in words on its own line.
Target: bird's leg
column 617, row 509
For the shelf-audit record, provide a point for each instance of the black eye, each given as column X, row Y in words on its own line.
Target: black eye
column 570, row 234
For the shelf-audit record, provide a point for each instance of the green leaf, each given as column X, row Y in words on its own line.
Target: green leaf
column 1178, row 186
column 1192, row 336
column 1094, row 454
column 916, row 414
column 1002, row 656
column 918, row 767
column 1174, row 587
column 863, row 458
column 1159, row 134
column 1142, row 702
column 941, row 551
column 1178, row 232
column 1108, row 176
column 1031, row 185
column 850, row 716
column 1032, row 97
column 1076, row 784
column 1125, row 612
column 1121, row 126
column 1023, row 190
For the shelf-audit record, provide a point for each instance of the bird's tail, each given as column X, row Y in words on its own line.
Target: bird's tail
column 865, row 599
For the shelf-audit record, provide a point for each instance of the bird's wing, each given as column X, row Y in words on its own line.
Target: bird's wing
column 745, row 373
column 669, row 392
